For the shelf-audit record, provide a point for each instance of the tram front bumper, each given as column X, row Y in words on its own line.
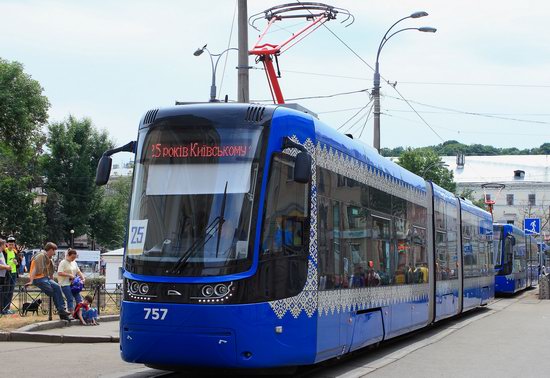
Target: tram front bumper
column 232, row 336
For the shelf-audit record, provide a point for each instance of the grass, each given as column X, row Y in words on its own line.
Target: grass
column 15, row 321
column 12, row 322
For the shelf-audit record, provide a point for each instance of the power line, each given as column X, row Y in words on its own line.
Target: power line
column 474, row 113
column 466, row 132
column 340, row 110
column 418, row 114
column 354, row 115
column 324, row 74
column 320, row 96
column 449, row 112
column 228, row 45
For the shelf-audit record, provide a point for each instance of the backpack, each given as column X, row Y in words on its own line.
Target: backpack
column 77, row 285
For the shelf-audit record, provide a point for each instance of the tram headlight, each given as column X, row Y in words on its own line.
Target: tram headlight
column 133, row 287
column 143, row 288
column 207, row 291
column 221, row 290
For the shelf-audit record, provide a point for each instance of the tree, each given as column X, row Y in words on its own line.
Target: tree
column 427, row 164
column 469, row 195
column 23, row 108
column 75, row 148
column 23, row 112
column 108, row 221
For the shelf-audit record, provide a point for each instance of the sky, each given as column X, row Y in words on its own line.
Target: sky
column 483, row 77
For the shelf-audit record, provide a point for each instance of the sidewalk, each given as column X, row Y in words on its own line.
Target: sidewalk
column 61, row 331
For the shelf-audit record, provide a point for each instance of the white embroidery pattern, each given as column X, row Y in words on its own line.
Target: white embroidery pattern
column 335, row 301
column 307, row 300
column 345, row 165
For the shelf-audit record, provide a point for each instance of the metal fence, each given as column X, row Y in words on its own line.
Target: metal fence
column 29, row 301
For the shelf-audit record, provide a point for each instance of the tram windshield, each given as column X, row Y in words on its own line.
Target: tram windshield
column 193, row 197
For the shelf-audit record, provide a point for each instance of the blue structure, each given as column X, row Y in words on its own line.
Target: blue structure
column 233, row 262
column 517, row 260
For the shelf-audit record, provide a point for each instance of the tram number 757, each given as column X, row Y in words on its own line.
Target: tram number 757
column 155, row 313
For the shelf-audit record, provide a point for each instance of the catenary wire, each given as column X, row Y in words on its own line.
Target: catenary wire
column 228, row 45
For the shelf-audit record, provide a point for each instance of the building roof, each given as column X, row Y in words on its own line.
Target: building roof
column 116, row 252
column 480, row 169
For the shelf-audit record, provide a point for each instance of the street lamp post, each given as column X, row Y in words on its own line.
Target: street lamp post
column 433, row 164
column 199, row 52
column 376, row 89
column 72, row 238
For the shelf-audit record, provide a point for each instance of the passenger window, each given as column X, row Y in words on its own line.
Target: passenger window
column 285, row 211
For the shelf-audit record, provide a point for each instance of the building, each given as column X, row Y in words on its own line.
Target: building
column 113, row 268
column 526, row 179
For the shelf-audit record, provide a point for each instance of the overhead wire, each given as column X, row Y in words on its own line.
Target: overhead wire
column 228, row 46
column 372, row 68
column 475, row 113
column 354, row 115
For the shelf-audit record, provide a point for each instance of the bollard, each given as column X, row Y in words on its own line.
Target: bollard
column 50, row 309
column 544, row 286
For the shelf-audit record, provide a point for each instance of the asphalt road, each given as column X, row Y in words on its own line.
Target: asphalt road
column 509, row 338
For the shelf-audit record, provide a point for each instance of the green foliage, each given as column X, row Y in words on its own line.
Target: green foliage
column 18, row 215
column 23, row 108
column 427, row 164
column 108, row 221
column 75, row 148
column 469, row 195
column 452, row 147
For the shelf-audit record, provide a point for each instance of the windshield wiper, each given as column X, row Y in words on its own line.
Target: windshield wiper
column 222, row 219
column 209, row 233
column 215, row 225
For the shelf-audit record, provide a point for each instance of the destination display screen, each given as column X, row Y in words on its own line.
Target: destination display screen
column 196, row 145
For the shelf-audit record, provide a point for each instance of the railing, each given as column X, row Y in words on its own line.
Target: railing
column 29, row 300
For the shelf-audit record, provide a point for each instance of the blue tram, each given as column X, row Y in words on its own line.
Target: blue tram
column 516, row 259
column 260, row 237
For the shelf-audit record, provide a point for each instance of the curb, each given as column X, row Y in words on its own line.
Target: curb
column 49, row 338
column 26, row 333
column 59, row 324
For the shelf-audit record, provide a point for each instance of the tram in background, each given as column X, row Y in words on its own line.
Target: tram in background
column 260, row 237
column 517, row 260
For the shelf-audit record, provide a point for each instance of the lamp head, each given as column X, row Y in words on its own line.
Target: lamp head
column 199, row 51
column 427, row 29
column 418, row 14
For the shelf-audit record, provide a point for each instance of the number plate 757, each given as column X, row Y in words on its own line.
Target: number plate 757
column 155, row 313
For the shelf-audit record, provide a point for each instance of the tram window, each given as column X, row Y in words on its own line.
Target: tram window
column 380, row 200
column 440, row 216
column 286, row 211
column 442, row 256
column 378, row 267
column 399, row 207
column 452, row 253
column 324, row 250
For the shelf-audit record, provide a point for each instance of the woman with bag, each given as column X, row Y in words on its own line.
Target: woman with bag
column 67, row 271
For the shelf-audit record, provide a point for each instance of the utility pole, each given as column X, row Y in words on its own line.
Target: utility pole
column 242, row 21
column 376, row 95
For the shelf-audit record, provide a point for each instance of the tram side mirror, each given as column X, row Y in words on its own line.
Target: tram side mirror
column 103, row 170
column 302, row 168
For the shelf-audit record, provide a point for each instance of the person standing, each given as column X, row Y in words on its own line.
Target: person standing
column 66, row 272
column 10, row 253
column 4, row 268
column 41, row 275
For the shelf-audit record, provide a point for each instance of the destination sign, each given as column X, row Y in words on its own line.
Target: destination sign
column 198, row 150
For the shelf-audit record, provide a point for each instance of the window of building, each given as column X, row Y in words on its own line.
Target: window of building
column 510, row 199
column 531, row 200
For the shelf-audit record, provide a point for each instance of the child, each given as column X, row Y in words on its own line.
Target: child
column 86, row 314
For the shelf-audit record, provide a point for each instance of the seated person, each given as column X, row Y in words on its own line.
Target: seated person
column 86, row 314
